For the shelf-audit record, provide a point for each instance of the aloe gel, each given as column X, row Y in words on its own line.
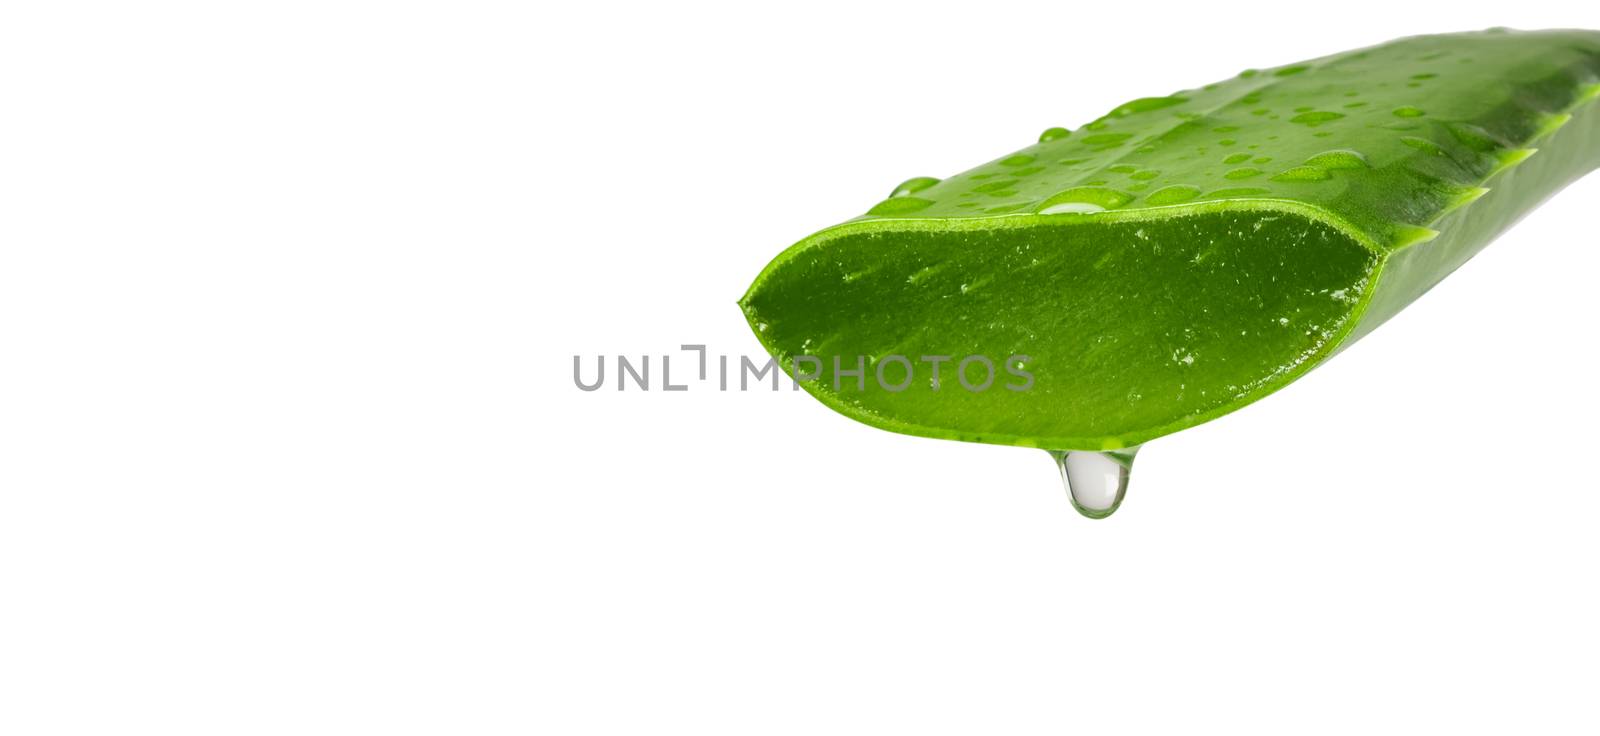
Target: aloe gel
column 1186, row 255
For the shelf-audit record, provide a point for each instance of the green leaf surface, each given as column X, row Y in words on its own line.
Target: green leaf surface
column 1186, row 255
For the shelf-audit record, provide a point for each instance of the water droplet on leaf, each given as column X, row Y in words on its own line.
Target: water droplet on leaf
column 1174, row 194
column 913, row 185
column 1051, row 134
column 1084, row 199
column 1338, row 159
column 1315, row 118
column 1146, row 104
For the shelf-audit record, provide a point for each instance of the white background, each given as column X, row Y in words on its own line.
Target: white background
column 289, row 441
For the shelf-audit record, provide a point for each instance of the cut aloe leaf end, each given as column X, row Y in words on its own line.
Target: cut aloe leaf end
column 1185, row 255
column 1095, row 481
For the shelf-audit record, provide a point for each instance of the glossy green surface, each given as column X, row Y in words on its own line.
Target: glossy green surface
column 1186, row 255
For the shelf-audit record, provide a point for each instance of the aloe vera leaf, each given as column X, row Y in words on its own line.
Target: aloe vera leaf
column 1184, row 256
